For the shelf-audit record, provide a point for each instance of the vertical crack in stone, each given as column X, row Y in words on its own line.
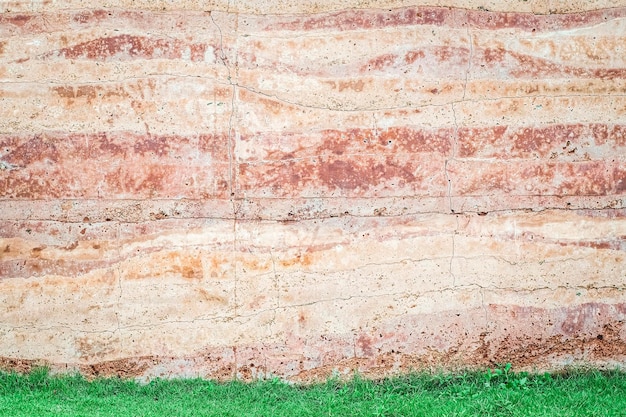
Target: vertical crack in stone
column 469, row 61
column 482, row 303
column 119, row 297
column 235, row 362
column 272, row 322
column 224, row 59
column 453, row 252
column 449, row 187
column 454, row 141
column 222, row 55
column 518, row 253
column 375, row 125
column 232, row 193
column 276, row 280
column 265, row 366
column 231, row 136
column 455, row 136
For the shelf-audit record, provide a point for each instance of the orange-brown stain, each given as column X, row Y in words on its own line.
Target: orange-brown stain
column 211, row 298
column 71, row 246
column 86, row 93
column 187, row 265
column 36, row 252
column 302, row 260
column 412, row 56
column 354, row 85
column 379, row 63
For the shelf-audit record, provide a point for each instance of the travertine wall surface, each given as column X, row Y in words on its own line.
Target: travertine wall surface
column 243, row 189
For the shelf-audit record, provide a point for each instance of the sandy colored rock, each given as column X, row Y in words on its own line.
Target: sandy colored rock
column 299, row 189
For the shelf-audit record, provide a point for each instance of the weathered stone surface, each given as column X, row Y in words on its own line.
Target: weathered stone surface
column 245, row 189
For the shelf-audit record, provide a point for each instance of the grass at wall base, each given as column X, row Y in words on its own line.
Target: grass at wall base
column 497, row 392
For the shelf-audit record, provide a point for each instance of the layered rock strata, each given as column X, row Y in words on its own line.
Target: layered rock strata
column 300, row 189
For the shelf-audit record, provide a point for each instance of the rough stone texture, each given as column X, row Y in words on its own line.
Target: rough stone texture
column 243, row 189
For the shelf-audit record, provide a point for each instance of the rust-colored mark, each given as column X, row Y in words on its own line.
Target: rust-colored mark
column 412, row 56
column 494, row 55
column 19, row 20
column 379, row 63
column 88, row 16
column 211, row 298
column 399, row 140
column 303, row 260
column 529, row 66
column 152, row 164
column 554, row 141
column 91, row 349
column 71, row 246
column 617, row 244
column 345, row 175
column 530, row 178
column 444, row 17
column 86, row 93
column 351, row 85
column 155, row 145
column 123, row 47
column 619, row 178
column 364, row 342
column 187, row 265
column 215, row 145
column 358, row 161
column 355, row 175
column 36, row 266
column 354, row 20
column 34, row 149
column 452, row 56
column 158, row 216
column 36, row 252
column 585, row 178
column 89, row 94
column 577, row 319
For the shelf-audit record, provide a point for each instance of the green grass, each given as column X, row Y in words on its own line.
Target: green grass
column 499, row 392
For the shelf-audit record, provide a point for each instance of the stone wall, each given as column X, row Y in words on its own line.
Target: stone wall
column 243, row 189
